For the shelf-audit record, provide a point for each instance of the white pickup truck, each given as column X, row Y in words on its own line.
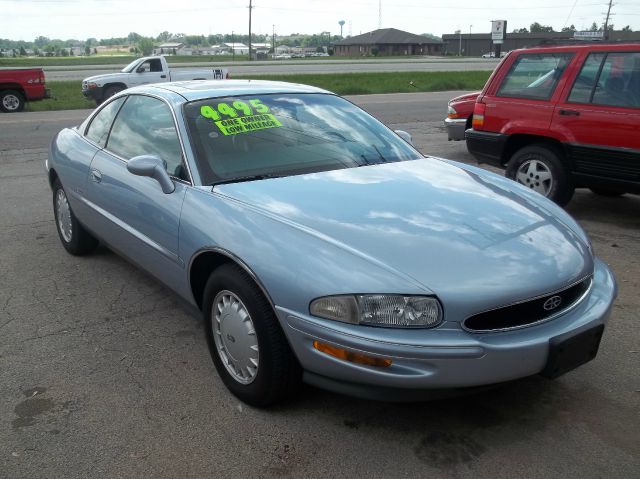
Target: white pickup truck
column 142, row 71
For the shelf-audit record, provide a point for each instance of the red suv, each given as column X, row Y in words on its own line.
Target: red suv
column 563, row 117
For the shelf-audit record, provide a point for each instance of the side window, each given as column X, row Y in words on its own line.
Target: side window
column 534, row 75
column 155, row 65
column 619, row 82
column 145, row 126
column 99, row 127
column 583, row 87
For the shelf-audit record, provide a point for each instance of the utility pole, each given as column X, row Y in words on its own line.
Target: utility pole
column 233, row 48
column 379, row 14
column 250, row 8
column 606, row 21
column 273, row 42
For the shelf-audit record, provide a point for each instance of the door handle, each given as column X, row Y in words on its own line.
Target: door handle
column 96, row 175
column 569, row 113
column 163, row 76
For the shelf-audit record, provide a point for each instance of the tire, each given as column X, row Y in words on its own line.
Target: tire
column 110, row 91
column 74, row 237
column 247, row 345
column 11, row 101
column 607, row 192
column 540, row 168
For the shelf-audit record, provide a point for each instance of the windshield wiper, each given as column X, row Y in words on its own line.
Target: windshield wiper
column 241, row 179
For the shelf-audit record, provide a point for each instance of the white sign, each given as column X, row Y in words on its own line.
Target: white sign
column 497, row 29
column 588, row 35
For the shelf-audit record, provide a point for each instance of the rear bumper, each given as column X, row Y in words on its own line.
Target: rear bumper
column 486, row 147
column 455, row 128
column 441, row 359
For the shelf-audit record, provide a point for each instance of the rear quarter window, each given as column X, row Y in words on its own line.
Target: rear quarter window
column 534, row 75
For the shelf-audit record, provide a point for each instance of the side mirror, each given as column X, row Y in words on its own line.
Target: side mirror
column 405, row 136
column 140, row 70
column 153, row 167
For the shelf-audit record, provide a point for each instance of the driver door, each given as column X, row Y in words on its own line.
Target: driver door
column 149, row 71
column 133, row 215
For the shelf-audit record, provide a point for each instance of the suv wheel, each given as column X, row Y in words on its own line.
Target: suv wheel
column 11, row 101
column 540, row 168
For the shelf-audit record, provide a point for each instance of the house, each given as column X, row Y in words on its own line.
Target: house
column 237, row 48
column 387, row 42
column 169, row 48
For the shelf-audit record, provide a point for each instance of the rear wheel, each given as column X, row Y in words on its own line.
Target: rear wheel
column 11, row 101
column 248, row 348
column 74, row 237
column 540, row 168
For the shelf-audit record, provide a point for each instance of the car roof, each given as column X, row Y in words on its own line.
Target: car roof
column 591, row 46
column 201, row 89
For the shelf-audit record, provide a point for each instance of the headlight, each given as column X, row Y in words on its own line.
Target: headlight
column 387, row 310
column 89, row 85
column 451, row 112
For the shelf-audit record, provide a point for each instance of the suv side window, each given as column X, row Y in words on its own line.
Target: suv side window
column 620, row 80
column 99, row 127
column 145, row 126
column 609, row 79
column 534, row 75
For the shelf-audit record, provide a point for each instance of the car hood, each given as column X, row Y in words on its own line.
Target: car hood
column 463, row 233
column 100, row 79
column 466, row 97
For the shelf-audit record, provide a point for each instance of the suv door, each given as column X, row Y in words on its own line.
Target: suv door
column 599, row 115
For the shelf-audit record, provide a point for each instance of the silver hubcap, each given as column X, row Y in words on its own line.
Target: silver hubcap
column 10, row 102
column 63, row 215
column 235, row 337
column 536, row 175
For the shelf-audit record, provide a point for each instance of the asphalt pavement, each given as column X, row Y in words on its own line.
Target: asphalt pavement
column 291, row 67
column 104, row 373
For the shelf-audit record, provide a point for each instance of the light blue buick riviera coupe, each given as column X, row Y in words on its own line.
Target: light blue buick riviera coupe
column 321, row 246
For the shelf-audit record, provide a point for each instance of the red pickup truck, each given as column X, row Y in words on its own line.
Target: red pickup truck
column 20, row 85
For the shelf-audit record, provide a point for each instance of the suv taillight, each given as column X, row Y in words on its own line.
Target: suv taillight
column 478, row 116
column 42, row 77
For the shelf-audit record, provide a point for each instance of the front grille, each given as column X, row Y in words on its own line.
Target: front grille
column 528, row 312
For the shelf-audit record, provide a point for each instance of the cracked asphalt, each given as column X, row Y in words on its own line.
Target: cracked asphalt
column 104, row 373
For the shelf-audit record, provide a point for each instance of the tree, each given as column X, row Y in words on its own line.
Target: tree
column 626, row 29
column 537, row 28
column 134, row 37
column 164, row 36
column 145, row 45
column 41, row 41
column 521, row 30
column 594, row 27
column 572, row 28
column 87, row 50
column 23, row 52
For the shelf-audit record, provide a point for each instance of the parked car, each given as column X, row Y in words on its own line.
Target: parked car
column 20, row 85
column 563, row 117
column 459, row 115
column 489, row 55
column 143, row 71
column 321, row 246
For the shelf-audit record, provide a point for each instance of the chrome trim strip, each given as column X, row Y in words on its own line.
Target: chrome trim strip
column 145, row 239
column 535, row 323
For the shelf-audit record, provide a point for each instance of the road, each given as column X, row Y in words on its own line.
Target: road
column 105, row 374
column 291, row 67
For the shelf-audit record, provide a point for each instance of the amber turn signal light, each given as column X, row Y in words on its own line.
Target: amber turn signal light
column 350, row 356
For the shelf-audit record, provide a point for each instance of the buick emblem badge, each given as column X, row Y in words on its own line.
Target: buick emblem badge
column 552, row 303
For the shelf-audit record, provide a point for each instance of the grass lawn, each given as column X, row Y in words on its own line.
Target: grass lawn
column 68, row 96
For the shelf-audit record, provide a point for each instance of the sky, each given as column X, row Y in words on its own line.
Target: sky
column 82, row 19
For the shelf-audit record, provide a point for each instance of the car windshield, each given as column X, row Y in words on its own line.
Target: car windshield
column 130, row 66
column 256, row 136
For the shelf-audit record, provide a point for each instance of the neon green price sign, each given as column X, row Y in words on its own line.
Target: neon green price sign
column 240, row 116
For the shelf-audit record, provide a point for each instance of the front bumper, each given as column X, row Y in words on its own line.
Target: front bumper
column 443, row 358
column 486, row 147
column 455, row 128
column 95, row 94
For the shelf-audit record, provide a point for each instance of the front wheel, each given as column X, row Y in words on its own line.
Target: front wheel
column 74, row 237
column 11, row 101
column 248, row 348
column 540, row 168
column 110, row 91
